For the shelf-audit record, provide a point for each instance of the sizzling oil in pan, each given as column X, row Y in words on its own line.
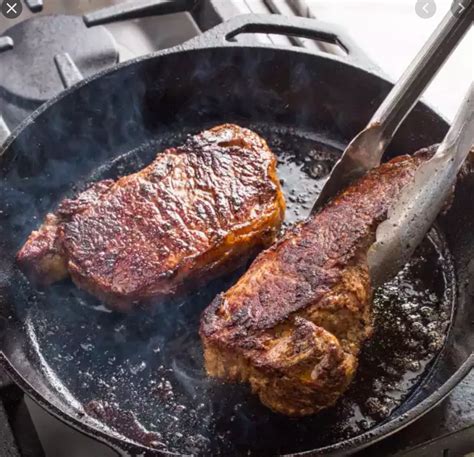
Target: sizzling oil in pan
column 142, row 375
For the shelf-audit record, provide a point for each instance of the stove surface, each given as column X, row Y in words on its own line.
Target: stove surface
column 45, row 45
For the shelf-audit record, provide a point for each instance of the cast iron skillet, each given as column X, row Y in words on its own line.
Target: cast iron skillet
column 136, row 382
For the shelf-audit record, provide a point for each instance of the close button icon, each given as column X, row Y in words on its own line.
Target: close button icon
column 11, row 9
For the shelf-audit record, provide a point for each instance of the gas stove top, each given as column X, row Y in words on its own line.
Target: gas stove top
column 50, row 47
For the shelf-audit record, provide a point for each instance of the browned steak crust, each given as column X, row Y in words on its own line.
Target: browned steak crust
column 293, row 325
column 196, row 211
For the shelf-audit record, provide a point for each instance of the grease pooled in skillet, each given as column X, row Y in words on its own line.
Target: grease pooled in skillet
column 152, row 366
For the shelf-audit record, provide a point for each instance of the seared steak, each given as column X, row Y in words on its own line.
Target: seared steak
column 195, row 212
column 294, row 323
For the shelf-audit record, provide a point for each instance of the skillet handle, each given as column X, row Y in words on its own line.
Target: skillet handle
column 224, row 34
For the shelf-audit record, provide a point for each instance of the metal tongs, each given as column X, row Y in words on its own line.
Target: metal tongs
column 366, row 149
column 407, row 224
column 414, row 212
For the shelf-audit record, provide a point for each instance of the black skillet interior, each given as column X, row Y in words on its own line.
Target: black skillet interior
column 139, row 378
